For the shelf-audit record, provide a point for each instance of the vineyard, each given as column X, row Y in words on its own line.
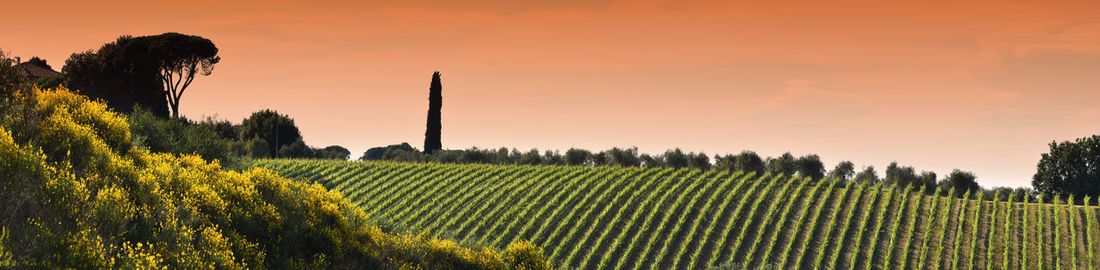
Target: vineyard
column 632, row 218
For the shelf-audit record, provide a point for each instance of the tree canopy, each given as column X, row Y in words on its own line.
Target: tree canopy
column 179, row 58
column 274, row 129
column 843, row 171
column 1070, row 168
column 150, row 71
column 810, row 166
column 122, row 73
column 962, row 182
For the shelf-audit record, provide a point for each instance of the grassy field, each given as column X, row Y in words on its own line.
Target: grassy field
column 631, row 218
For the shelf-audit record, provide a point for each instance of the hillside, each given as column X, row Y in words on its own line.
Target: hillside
column 75, row 192
column 631, row 218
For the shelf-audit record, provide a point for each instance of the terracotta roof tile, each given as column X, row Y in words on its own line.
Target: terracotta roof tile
column 33, row 71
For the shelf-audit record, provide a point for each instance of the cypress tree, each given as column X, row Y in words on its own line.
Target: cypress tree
column 432, row 140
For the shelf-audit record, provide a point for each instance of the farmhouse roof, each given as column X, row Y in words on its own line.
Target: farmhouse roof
column 33, row 71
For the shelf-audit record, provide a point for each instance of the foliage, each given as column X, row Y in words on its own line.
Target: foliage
column 335, row 152
column 844, row 170
column 620, row 157
column 905, row 176
column 575, row 156
column 299, row 149
column 524, row 255
column 749, row 161
column 11, row 79
column 738, row 266
column 746, row 161
column 277, row 130
column 614, row 217
column 1070, row 168
column 810, row 166
column 867, row 175
column 77, row 193
column 150, row 71
column 961, row 182
column 178, row 59
column 376, row 153
column 785, row 164
column 5, row 256
column 432, row 140
column 121, row 74
column 52, row 81
column 39, row 62
column 207, row 139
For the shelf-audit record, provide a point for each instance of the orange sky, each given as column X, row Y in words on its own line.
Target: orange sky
column 976, row 85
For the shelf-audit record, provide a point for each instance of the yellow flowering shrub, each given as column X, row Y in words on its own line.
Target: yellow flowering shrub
column 524, row 255
column 76, row 193
column 5, row 256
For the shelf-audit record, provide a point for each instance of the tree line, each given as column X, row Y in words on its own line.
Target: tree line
column 807, row 166
column 1071, row 169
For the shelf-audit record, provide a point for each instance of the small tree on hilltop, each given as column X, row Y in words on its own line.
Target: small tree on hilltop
column 843, row 171
column 575, row 156
column 749, row 161
column 1070, row 168
column 867, row 175
column 962, row 182
column 785, row 164
column 810, row 166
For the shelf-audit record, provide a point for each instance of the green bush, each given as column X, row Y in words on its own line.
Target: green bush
column 75, row 192
column 208, row 139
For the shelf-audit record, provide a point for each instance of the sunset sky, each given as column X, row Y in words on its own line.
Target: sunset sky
column 982, row 86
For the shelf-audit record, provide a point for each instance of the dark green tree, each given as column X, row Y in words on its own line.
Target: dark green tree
column 11, row 80
column 699, row 161
column 297, row 149
column 675, row 158
column 867, row 175
column 336, row 152
column 183, row 136
column 276, row 129
column 623, row 157
column 749, row 161
column 725, row 163
column 531, row 158
column 474, row 156
column 432, row 136
column 376, row 153
column 650, row 161
column 810, row 166
column 900, row 175
column 552, row 158
column 843, row 171
column 1070, row 168
column 928, row 179
column 963, row 182
column 123, row 73
column 178, row 59
column 785, row 164
column 575, row 156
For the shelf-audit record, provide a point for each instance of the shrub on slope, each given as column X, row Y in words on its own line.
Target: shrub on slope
column 75, row 192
